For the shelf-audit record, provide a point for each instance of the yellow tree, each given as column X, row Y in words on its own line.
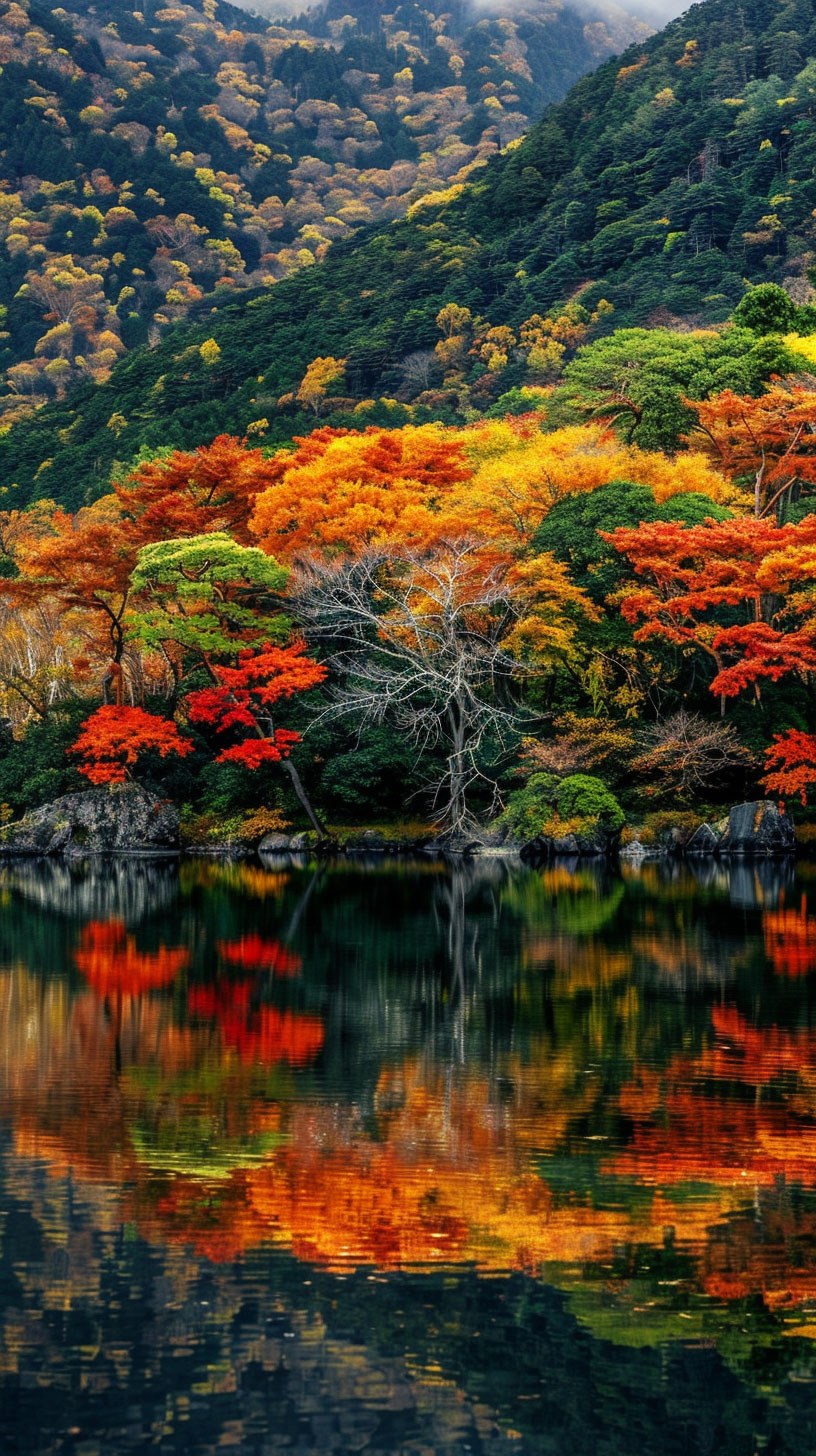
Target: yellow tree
column 323, row 374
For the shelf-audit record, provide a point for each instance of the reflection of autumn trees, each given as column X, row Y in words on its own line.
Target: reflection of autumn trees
column 447, row 1171
column 546, row 1075
column 84, row 1286
column 790, row 939
column 255, row 953
column 108, row 959
column 258, row 1034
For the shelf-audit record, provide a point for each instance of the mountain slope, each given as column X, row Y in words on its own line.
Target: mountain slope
column 152, row 158
column 661, row 183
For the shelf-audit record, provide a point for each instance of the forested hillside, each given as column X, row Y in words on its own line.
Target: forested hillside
column 154, row 159
column 663, row 183
column 517, row 488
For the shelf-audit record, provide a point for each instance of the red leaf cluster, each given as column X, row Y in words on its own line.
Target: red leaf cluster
column 108, row 959
column 253, row 952
column 113, row 738
column 791, row 764
column 255, row 752
column 246, row 693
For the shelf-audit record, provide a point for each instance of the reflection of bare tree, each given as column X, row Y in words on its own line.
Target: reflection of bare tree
column 99, row 889
column 301, row 908
column 455, row 897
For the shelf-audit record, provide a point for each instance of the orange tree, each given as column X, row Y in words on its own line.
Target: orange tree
column 743, row 592
column 769, row 441
column 80, row 564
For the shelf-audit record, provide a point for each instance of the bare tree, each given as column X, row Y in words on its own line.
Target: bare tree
column 687, row 753
column 419, row 370
column 417, row 638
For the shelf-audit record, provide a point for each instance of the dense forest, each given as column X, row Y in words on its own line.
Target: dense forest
column 659, row 186
column 158, row 159
column 502, row 511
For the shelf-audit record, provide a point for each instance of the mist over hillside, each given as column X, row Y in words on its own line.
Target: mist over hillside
column 653, row 13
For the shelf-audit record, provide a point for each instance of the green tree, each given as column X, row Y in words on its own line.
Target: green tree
column 767, row 309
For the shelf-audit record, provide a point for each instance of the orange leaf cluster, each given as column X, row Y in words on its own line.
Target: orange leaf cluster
column 252, row 952
column 791, row 764
column 381, row 483
column 112, row 739
column 108, row 959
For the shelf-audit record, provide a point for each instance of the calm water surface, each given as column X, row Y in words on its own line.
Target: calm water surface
column 407, row 1160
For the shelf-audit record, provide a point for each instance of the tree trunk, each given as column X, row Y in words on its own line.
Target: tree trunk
column 303, row 797
column 457, row 807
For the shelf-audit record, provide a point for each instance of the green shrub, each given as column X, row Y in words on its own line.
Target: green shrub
column 583, row 797
column 551, row 806
column 529, row 810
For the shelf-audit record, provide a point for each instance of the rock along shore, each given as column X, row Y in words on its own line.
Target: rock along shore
column 124, row 819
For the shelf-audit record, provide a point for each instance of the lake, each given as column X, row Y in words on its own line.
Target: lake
column 407, row 1159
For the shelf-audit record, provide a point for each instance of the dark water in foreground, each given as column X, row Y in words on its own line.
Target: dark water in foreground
column 407, row 1160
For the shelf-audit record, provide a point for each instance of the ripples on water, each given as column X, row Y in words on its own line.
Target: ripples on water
column 407, row 1159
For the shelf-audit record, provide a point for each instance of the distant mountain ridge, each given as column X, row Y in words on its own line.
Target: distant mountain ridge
column 153, row 158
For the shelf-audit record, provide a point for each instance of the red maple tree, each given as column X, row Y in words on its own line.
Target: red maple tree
column 791, row 764
column 753, row 567
column 244, row 696
column 113, row 739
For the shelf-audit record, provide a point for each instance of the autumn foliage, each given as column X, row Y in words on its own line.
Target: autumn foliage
column 244, row 697
column 791, row 765
column 113, row 739
column 410, row 559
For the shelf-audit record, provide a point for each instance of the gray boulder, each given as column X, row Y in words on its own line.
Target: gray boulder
column 597, row 843
column 758, row 829
column 635, row 852
column 275, row 844
column 110, row 819
column 704, row 840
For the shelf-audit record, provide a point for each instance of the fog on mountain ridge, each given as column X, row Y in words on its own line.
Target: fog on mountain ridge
column 653, row 12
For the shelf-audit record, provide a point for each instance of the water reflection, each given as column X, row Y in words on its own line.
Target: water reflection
column 368, row 1091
